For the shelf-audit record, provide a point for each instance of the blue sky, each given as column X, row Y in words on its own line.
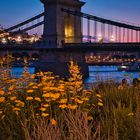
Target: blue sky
column 15, row 11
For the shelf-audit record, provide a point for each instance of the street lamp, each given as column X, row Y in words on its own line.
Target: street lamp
column 4, row 41
column 112, row 39
column 19, row 39
column 99, row 38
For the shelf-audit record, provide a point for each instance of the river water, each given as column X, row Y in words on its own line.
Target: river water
column 96, row 74
column 109, row 73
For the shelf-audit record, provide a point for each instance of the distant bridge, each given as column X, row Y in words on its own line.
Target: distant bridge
column 94, row 29
column 76, row 46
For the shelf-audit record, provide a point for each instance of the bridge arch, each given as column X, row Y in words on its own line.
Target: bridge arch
column 133, row 56
column 116, row 56
column 16, row 55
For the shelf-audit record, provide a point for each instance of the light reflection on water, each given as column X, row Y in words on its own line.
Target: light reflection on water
column 17, row 71
column 107, row 73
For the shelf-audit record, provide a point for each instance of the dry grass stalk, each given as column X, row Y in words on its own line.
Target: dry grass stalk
column 137, row 122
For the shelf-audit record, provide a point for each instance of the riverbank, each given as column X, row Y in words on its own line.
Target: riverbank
column 44, row 106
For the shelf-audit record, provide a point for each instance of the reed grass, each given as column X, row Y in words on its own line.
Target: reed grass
column 43, row 106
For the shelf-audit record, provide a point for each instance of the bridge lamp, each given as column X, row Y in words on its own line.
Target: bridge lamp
column 36, row 38
column 4, row 41
column 32, row 39
column 99, row 38
column 19, row 39
column 112, row 39
column 9, row 38
column 91, row 56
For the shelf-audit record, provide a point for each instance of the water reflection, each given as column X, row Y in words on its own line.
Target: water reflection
column 107, row 73
column 17, row 71
column 96, row 74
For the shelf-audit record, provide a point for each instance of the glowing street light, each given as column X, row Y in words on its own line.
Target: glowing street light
column 4, row 41
column 32, row 39
column 100, row 38
column 19, row 39
column 112, row 39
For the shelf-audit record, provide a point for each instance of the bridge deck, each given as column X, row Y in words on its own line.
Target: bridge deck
column 133, row 47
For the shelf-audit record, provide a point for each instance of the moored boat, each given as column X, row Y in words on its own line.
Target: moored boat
column 130, row 67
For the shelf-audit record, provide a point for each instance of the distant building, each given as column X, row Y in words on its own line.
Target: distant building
column 17, row 37
column 19, row 33
column 3, row 33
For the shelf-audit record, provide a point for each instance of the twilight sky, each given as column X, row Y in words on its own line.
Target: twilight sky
column 15, row 11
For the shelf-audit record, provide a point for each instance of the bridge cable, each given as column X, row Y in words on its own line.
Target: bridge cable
column 25, row 22
column 95, row 30
column 88, row 30
column 123, row 34
column 132, row 36
column 99, row 19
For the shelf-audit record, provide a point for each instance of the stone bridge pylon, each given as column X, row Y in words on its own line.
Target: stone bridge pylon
column 60, row 27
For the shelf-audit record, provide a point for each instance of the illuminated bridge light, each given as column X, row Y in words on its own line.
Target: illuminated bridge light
column 4, row 41
column 19, row 39
column 69, row 30
column 99, row 38
column 112, row 39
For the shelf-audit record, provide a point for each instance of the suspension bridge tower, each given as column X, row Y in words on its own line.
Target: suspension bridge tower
column 61, row 27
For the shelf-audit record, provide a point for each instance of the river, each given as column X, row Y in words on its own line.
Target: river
column 96, row 74
column 109, row 73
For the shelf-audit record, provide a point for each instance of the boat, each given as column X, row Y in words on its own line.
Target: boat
column 129, row 67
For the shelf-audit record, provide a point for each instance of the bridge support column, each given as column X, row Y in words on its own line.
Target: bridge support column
column 58, row 62
column 61, row 27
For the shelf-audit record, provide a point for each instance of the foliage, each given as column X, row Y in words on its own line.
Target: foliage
column 44, row 106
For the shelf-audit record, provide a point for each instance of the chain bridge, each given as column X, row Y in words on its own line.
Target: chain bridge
column 69, row 34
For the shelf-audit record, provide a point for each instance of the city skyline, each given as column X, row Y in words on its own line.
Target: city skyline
column 18, row 11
